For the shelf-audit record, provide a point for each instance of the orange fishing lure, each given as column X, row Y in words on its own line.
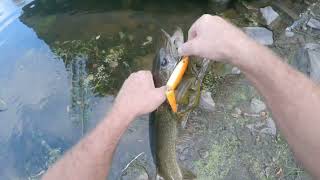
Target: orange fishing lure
column 174, row 81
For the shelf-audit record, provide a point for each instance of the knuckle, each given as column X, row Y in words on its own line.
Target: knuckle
column 206, row 17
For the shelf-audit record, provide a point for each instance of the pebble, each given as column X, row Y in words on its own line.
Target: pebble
column 260, row 34
column 314, row 23
column 289, row 33
column 235, row 71
column 203, row 153
column 206, row 101
column 269, row 14
column 236, row 112
column 257, row 105
column 3, row 105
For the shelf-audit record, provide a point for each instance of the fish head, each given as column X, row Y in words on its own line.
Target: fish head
column 167, row 57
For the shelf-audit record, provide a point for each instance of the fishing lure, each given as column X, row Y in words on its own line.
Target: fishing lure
column 174, row 81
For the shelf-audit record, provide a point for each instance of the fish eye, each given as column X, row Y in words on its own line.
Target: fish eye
column 164, row 62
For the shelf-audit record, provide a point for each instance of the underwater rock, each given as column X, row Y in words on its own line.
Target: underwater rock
column 257, row 105
column 206, row 101
column 260, row 34
column 3, row 105
column 314, row 23
column 269, row 14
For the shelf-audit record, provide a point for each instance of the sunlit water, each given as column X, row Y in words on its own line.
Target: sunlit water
column 49, row 104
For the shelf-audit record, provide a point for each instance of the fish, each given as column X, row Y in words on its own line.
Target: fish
column 164, row 122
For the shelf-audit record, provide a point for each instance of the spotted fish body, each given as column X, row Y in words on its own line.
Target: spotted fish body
column 164, row 122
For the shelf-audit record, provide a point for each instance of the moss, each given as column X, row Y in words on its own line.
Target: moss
column 220, row 160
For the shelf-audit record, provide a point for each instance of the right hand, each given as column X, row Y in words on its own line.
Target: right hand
column 214, row 38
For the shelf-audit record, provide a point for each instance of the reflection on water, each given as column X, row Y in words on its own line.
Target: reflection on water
column 61, row 64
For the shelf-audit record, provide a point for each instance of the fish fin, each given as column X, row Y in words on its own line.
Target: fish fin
column 187, row 174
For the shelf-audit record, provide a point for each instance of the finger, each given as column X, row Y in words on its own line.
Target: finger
column 189, row 48
column 192, row 33
column 159, row 94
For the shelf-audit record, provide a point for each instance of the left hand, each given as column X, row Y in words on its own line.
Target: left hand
column 138, row 95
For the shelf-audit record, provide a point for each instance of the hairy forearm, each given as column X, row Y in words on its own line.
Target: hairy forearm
column 293, row 99
column 91, row 157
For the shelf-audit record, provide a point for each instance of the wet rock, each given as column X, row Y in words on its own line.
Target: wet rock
column 257, row 105
column 260, row 34
column 235, row 71
column 314, row 23
column 206, row 101
column 3, row 105
column 269, row 14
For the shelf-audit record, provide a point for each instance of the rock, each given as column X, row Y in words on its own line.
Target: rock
column 219, row 5
column 314, row 23
column 203, row 153
column 236, row 112
column 270, row 127
column 260, row 34
column 257, row 105
column 269, row 14
column 314, row 57
column 206, row 101
column 289, row 33
column 307, row 61
column 235, row 71
column 3, row 105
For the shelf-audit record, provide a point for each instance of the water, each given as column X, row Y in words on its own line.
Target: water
column 61, row 65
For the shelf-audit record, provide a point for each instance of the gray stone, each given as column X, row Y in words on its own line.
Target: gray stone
column 314, row 23
column 257, row 105
column 260, row 34
column 314, row 57
column 206, row 101
column 269, row 14
column 3, row 105
column 307, row 61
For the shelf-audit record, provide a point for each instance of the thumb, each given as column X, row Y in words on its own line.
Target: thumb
column 189, row 48
column 159, row 94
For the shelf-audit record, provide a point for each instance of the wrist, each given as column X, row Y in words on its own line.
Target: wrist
column 123, row 113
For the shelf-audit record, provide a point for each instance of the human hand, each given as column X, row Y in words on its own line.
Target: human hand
column 214, row 38
column 138, row 95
